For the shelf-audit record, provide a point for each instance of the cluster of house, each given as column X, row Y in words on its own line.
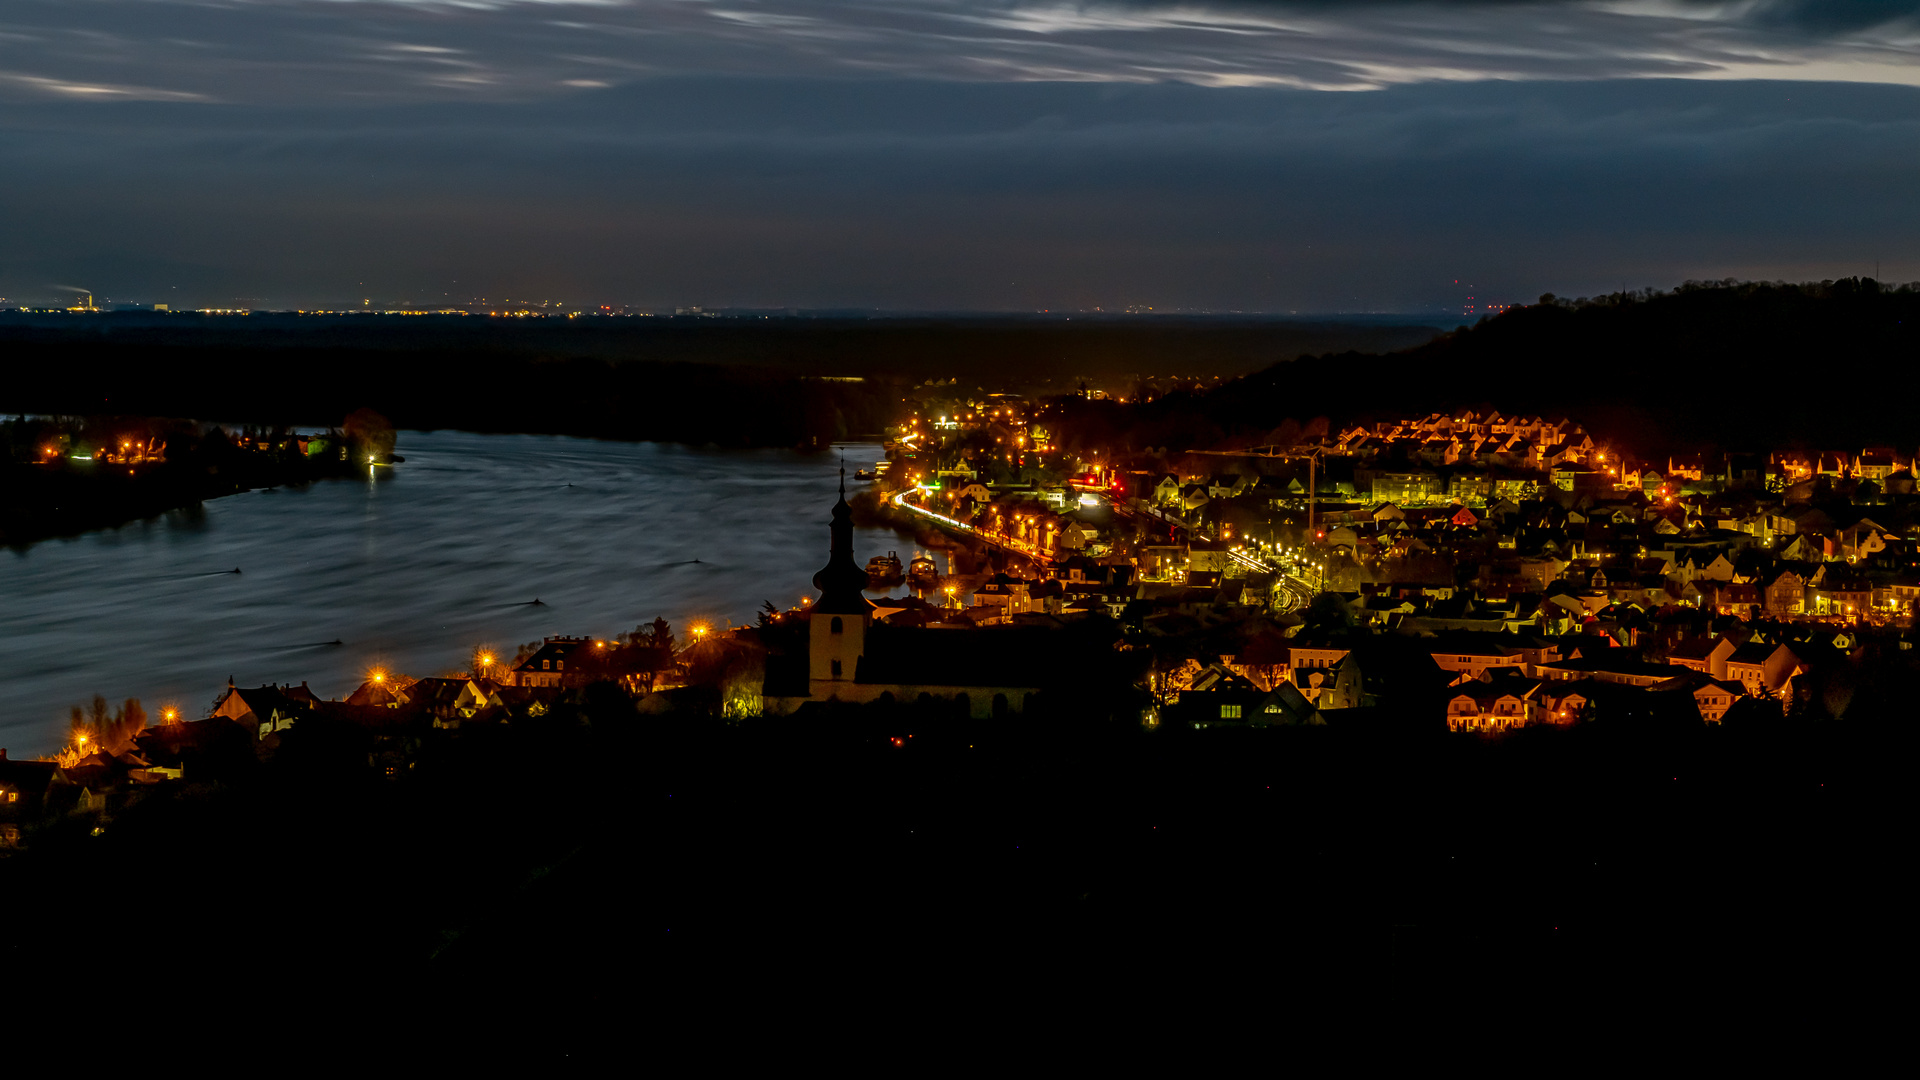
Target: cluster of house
column 247, row 724
column 1696, row 601
column 1485, row 681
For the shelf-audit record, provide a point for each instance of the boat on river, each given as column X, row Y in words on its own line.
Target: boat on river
column 922, row 574
column 885, row 571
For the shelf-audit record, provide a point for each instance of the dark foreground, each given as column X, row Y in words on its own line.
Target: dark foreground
column 663, row 889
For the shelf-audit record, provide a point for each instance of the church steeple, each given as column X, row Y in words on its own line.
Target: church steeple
column 841, row 581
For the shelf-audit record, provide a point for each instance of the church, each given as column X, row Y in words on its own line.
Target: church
column 853, row 657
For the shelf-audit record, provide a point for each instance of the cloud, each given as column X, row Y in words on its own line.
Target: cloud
column 402, row 50
column 94, row 91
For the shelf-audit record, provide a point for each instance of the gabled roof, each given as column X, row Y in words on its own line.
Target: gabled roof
column 1753, row 653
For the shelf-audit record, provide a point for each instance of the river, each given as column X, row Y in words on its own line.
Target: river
column 410, row 572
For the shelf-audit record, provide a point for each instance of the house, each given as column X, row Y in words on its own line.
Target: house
column 1785, row 595
column 1712, row 697
column 1406, row 487
column 1876, row 463
column 265, row 709
column 1498, row 705
column 1860, row 540
column 1471, row 662
column 1837, row 590
column 23, row 788
column 1230, row 486
column 1006, row 594
column 1706, row 655
column 547, row 665
column 1314, row 669
column 1765, row 670
column 1603, row 665
column 1565, row 701
column 1209, row 556
column 1719, row 568
column 1167, row 491
column 477, row 695
column 1220, row 698
column 381, row 690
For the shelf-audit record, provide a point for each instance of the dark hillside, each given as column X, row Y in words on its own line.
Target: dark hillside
column 1716, row 365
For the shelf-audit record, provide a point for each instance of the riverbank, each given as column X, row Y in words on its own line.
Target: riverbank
column 410, row 572
column 62, row 478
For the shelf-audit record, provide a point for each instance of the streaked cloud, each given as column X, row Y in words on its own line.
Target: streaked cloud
column 399, row 50
column 947, row 154
column 87, row 91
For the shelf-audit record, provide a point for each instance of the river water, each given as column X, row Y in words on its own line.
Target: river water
column 411, row 571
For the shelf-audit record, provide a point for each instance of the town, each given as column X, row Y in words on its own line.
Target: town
column 64, row 475
column 1466, row 573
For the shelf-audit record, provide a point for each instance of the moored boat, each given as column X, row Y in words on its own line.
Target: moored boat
column 885, row 571
column 922, row 574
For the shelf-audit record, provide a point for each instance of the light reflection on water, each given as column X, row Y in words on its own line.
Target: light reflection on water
column 411, row 572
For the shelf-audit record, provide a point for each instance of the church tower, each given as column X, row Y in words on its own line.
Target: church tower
column 837, row 634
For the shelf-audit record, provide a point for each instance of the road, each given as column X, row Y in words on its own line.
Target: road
column 1291, row 593
column 1006, row 543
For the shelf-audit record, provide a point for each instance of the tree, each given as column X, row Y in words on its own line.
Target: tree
column 657, row 634
column 371, row 434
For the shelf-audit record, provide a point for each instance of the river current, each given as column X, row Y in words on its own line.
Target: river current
column 411, row 571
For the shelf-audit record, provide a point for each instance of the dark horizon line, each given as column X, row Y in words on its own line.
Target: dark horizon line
column 641, row 311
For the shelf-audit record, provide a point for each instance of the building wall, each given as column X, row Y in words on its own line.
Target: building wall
column 979, row 698
column 826, row 646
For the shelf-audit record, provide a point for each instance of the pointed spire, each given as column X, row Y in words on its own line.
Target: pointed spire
column 841, row 581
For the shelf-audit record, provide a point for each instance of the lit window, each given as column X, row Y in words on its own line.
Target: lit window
column 546, row 665
column 1229, row 712
column 559, row 665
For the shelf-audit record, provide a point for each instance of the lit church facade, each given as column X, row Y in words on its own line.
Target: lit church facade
column 854, row 658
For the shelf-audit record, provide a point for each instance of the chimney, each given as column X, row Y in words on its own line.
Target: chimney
column 3, row 753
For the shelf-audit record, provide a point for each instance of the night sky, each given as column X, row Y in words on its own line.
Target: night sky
column 939, row 155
